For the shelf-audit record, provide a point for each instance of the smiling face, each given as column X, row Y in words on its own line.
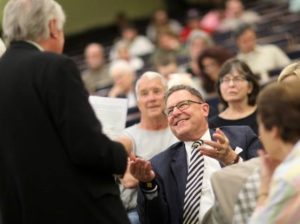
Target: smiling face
column 191, row 123
column 151, row 97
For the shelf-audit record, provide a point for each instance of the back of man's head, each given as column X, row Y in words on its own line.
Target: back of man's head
column 278, row 105
column 29, row 19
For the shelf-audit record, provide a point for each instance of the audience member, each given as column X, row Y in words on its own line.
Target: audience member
column 122, row 53
column 192, row 23
column 247, row 196
column 168, row 43
column 278, row 200
column 163, row 197
column 294, row 6
column 124, row 77
column 96, row 75
column 290, row 73
column 174, row 74
column 235, row 15
column 236, row 204
column 162, row 22
column 210, row 62
column 150, row 136
column 198, row 41
column 138, row 45
column 212, row 19
column 260, row 58
column 56, row 164
column 166, row 65
column 237, row 88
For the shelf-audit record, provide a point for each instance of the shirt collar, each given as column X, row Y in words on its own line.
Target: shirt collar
column 256, row 50
column 35, row 44
column 188, row 145
column 294, row 153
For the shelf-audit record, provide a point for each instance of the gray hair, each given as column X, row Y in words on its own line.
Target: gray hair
column 197, row 34
column 29, row 19
column 150, row 75
column 121, row 66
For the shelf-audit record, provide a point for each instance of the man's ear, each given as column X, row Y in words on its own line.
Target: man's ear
column 53, row 31
column 205, row 109
column 275, row 132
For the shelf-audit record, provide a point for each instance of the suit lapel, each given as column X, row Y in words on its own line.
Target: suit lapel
column 179, row 170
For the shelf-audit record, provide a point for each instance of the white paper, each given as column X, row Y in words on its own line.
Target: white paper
column 111, row 112
column 238, row 150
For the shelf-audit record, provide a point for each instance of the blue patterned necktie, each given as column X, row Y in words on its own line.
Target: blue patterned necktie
column 193, row 188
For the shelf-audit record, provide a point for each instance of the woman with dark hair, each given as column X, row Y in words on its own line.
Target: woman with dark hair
column 237, row 87
column 210, row 62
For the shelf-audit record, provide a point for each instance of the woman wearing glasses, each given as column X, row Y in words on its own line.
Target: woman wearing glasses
column 237, row 87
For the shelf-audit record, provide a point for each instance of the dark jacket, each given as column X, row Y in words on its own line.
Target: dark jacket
column 171, row 171
column 56, row 165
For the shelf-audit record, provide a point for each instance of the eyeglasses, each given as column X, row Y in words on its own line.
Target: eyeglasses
column 182, row 105
column 235, row 79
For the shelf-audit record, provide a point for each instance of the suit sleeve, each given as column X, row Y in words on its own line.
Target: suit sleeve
column 76, row 124
column 253, row 144
column 155, row 210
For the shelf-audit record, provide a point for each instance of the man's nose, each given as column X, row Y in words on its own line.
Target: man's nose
column 176, row 111
column 231, row 82
column 151, row 96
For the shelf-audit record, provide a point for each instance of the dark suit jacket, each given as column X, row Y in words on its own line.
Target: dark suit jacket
column 56, row 165
column 170, row 168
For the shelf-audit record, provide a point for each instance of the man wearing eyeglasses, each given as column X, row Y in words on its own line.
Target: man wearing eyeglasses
column 162, row 196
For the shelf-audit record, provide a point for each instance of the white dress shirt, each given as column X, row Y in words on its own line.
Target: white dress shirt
column 210, row 166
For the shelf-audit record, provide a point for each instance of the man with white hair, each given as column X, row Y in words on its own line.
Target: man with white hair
column 56, row 165
column 124, row 76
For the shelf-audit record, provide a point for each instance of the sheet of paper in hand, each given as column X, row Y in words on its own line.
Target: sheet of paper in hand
column 111, row 112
